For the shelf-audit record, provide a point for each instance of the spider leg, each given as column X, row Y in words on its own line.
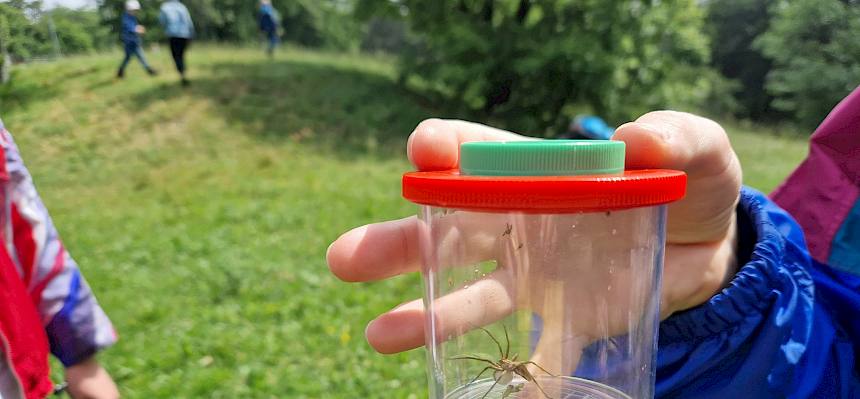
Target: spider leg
column 479, row 374
column 496, row 382
column 541, row 368
column 499, row 345
column 507, row 342
column 492, row 363
column 524, row 372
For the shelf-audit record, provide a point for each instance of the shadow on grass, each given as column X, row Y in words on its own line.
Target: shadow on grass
column 339, row 109
column 24, row 90
column 18, row 93
column 102, row 83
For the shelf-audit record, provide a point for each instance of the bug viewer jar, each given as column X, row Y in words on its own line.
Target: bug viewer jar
column 542, row 263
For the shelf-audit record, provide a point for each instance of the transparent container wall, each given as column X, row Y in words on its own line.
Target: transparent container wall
column 542, row 305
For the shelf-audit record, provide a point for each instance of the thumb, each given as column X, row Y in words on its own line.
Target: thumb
column 699, row 147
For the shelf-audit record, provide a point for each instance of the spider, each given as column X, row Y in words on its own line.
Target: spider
column 508, row 228
column 505, row 368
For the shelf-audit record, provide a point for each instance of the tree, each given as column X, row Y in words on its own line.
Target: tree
column 78, row 31
column 25, row 31
column 526, row 61
column 733, row 26
column 816, row 56
column 22, row 38
column 316, row 23
column 386, row 35
column 6, row 62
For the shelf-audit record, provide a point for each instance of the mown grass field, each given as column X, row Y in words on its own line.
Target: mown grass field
column 201, row 216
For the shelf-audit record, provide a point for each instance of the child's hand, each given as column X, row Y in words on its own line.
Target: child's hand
column 88, row 380
column 701, row 231
column 140, row 29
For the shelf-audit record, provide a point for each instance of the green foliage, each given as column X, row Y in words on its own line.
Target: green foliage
column 200, row 216
column 26, row 30
column 5, row 58
column 78, row 30
column 316, row 23
column 524, row 62
column 816, row 56
column 734, row 25
column 386, row 35
column 19, row 33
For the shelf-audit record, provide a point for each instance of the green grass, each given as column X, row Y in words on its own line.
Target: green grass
column 767, row 158
column 201, row 216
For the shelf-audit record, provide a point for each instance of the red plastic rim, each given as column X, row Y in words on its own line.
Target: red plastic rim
column 545, row 194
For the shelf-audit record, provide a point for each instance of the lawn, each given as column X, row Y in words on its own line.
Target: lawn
column 201, row 216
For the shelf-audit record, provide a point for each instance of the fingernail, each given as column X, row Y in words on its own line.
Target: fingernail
column 624, row 126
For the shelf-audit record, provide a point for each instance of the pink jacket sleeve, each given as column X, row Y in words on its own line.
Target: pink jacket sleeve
column 76, row 325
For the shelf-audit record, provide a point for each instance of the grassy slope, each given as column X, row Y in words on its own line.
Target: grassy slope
column 201, row 216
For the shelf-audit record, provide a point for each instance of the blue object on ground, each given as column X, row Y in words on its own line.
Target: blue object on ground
column 591, row 127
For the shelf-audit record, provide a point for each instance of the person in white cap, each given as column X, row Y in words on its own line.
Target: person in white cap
column 269, row 20
column 130, row 35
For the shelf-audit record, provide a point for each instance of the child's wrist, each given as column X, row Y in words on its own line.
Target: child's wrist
column 700, row 282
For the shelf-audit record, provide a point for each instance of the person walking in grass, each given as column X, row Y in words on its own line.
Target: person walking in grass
column 130, row 34
column 268, row 21
column 179, row 28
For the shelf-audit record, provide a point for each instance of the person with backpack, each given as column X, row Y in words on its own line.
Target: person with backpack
column 179, row 29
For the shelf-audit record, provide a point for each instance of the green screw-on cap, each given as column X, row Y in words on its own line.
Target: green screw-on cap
column 542, row 158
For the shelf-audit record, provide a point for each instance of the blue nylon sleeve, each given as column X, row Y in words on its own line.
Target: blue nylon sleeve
column 777, row 331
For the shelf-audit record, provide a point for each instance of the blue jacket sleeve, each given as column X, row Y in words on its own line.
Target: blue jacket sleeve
column 785, row 327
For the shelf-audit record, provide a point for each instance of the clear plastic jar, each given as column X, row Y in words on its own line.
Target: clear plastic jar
column 542, row 278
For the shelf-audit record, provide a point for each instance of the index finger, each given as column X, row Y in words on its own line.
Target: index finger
column 435, row 143
column 386, row 249
column 701, row 148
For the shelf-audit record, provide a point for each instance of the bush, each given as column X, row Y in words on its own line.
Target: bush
column 18, row 33
column 523, row 62
column 27, row 31
column 387, row 35
column 816, row 56
column 78, row 31
column 733, row 26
